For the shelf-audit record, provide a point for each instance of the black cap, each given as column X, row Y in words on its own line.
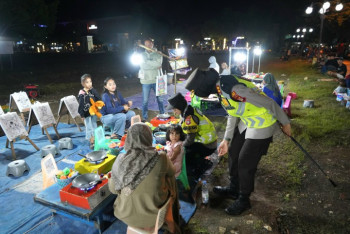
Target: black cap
column 177, row 101
column 202, row 82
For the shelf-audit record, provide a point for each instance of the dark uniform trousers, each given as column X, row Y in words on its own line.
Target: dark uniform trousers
column 244, row 156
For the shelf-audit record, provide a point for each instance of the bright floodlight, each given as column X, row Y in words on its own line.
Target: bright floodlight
column 302, row 35
column 304, row 29
column 257, row 51
column 180, row 52
column 136, row 59
column 298, row 29
column 239, row 57
column 326, row 5
column 339, row 7
column 293, row 36
column 298, row 36
column 322, row 11
column 309, row 10
column 311, row 30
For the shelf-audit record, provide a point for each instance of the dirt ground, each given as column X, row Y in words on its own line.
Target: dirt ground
column 317, row 206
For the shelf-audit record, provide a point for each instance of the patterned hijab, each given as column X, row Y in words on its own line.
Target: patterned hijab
column 271, row 84
column 131, row 168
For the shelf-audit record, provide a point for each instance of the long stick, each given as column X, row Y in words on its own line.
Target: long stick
column 309, row 156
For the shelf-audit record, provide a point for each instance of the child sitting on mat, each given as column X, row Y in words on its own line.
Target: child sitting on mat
column 116, row 113
column 341, row 87
column 175, row 151
column 84, row 96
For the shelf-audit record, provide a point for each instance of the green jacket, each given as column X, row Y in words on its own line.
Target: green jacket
column 152, row 63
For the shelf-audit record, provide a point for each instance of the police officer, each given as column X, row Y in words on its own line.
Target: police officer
column 253, row 118
column 201, row 140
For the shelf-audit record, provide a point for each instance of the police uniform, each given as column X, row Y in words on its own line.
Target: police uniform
column 253, row 118
column 201, row 138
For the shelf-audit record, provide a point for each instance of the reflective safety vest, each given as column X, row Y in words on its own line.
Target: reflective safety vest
column 251, row 115
column 205, row 130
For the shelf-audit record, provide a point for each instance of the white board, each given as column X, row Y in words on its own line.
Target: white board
column 43, row 114
column 72, row 105
column 12, row 125
column 22, row 101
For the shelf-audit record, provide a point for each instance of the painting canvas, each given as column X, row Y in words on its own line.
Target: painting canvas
column 12, row 125
column 1, row 111
column 43, row 114
column 72, row 105
column 22, row 101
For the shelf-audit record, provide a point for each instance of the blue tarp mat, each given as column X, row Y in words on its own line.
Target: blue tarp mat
column 19, row 213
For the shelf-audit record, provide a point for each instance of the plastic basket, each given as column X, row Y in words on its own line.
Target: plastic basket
column 64, row 182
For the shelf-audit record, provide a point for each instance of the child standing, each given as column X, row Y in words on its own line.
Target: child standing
column 175, row 151
column 116, row 113
column 84, row 105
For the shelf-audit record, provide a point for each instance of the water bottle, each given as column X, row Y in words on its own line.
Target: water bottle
column 205, row 192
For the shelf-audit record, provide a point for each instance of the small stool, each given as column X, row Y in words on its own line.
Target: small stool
column 49, row 149
column 17, row 168
column 65, row 143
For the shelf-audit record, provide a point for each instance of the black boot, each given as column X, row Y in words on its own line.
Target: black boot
column 239, row 206
column 229, row 191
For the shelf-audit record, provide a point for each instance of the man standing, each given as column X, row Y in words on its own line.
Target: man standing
column 149, row 70
column 251, row 123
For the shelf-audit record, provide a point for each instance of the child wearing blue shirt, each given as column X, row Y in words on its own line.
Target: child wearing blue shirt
column 116, row 113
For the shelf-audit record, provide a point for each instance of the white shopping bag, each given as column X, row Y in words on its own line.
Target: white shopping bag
column 161, row 84
column 141, row 74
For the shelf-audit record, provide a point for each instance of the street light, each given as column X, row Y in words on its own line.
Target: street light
column 323, row 10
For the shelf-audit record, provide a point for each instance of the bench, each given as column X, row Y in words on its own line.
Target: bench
column 287, row 106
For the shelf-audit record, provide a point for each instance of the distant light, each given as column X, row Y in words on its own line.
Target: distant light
column 309, row 10
column 322, row 11
column 298, row 29
column 326, row 5
column 19, row 42
column 177, row 39
column 311, row 30
column 293, row 36
column 257, row 51
column 298, row 36
column 181, row 42
column 239, row 57
column 302, row 36
column 136, row 59
column 207, row 39
column 92, row 26
column 339, row 7
column 304, row 29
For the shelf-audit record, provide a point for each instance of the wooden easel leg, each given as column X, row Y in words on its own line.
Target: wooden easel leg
column 47, row 134
column 30, row 127
column 68, row 120
column 33, row 144
column 58, row 120
column 77, row 124
column 42, row 130
column 23, row 119
column 55, row 128
column 13, row 151
column 7, row 143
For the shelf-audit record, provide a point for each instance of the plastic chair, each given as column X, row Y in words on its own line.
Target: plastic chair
column 164, row 214
column 183, row 174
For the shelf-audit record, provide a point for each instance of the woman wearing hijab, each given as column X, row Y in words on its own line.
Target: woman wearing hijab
column 271, row 88
column 144, row 180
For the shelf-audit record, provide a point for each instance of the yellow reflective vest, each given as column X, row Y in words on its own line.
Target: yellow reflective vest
column 251, row 115
column 205, row 130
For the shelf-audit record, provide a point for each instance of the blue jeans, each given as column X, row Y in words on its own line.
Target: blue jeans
column 118, row 122
column 146, row 89
column 90, row 126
